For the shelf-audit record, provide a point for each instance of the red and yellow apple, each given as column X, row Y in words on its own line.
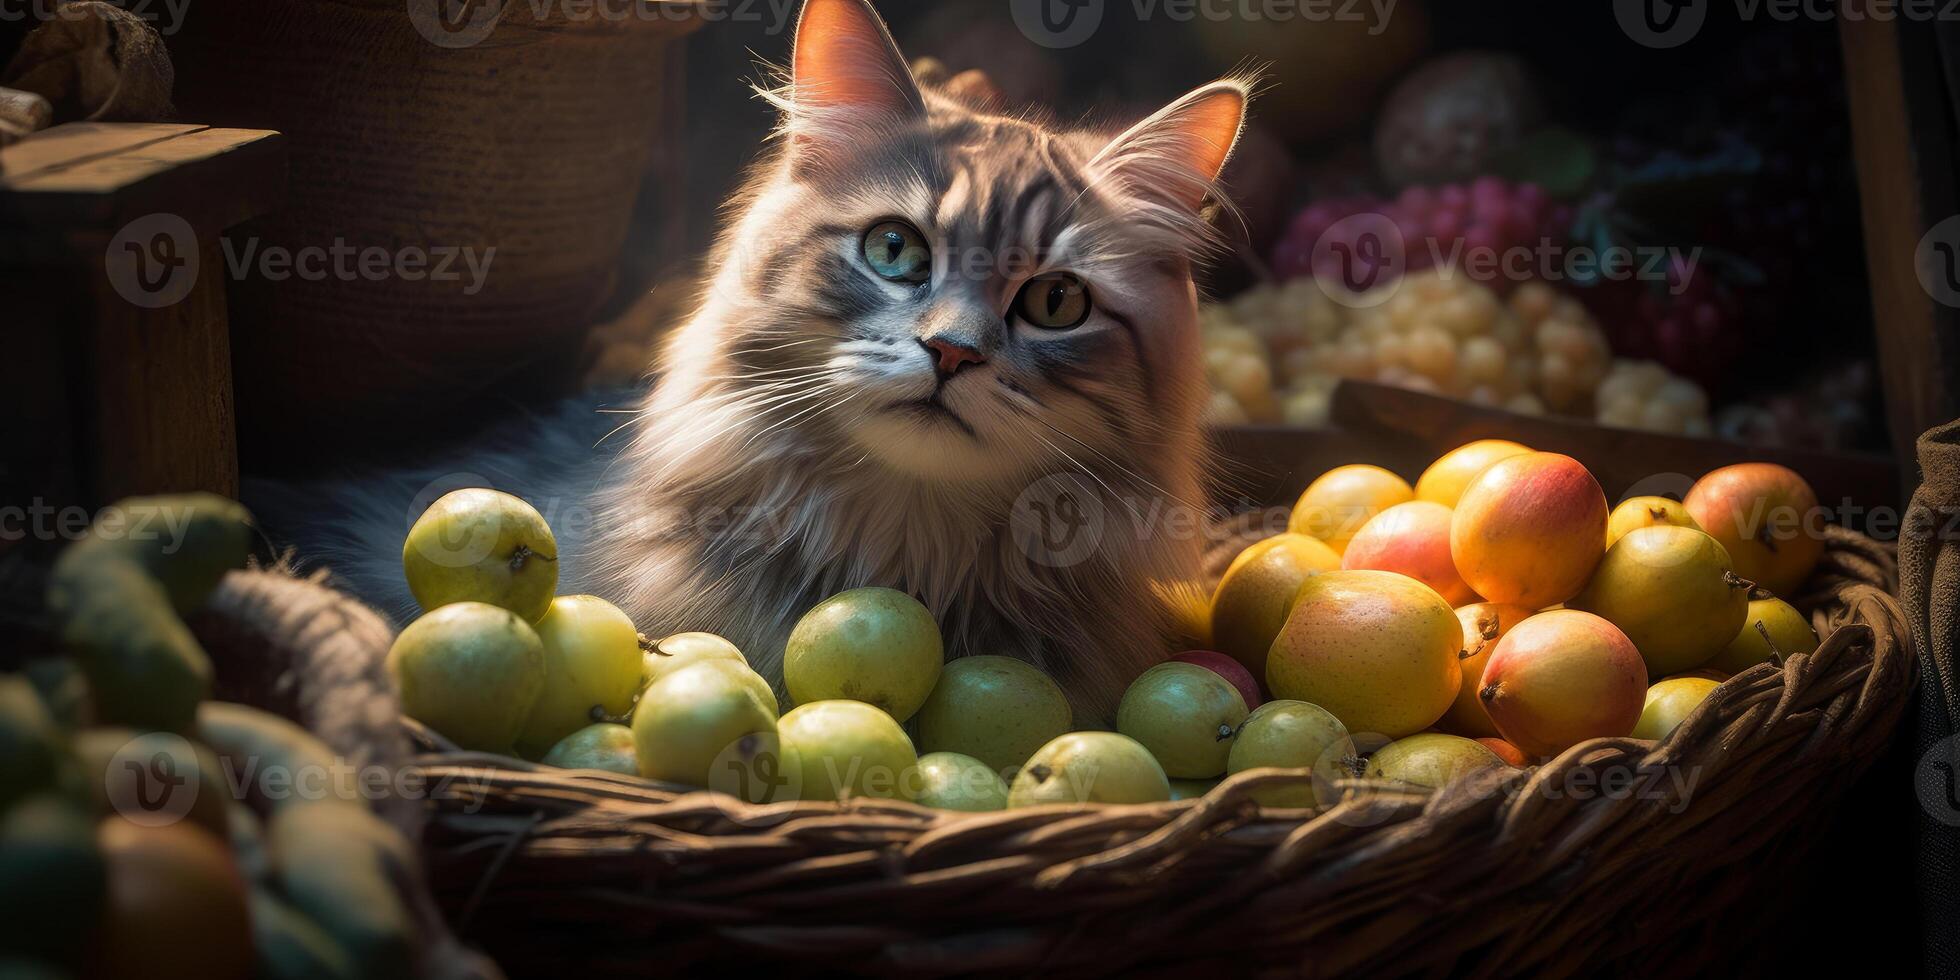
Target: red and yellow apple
column 1560, row 678
column 1529, row 530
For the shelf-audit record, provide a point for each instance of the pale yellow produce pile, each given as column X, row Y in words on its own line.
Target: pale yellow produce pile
column 1275, row 353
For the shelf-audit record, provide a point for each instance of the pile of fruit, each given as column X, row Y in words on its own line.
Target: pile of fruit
column 1496, row 612
column 146, row 830
column 1276, row 352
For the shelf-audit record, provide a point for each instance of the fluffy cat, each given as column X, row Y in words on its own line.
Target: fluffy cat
column 943, row 350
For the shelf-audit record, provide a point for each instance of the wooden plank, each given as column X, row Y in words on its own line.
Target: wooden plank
column 109, row 173
column 160, row 406
column 69, row 143
column 1905, row 184
column 213, row 178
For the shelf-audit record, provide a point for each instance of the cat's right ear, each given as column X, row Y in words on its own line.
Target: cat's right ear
column 848, row 81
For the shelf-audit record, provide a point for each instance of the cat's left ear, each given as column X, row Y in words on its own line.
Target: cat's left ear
column 1178, row 152
column 848, row 80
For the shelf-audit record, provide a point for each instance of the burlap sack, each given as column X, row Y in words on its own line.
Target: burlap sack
column 1929, row 571
column 95, row 61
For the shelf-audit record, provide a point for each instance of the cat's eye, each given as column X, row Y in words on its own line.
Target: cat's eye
column 1054, row 301
column 896, row 251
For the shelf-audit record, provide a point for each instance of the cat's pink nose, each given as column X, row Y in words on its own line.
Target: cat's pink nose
column 951, row 355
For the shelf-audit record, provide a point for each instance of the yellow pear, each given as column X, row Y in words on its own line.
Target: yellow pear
column 1788, row 631
column 1257, row 591
column 1670, row 702
column 1377, row 649
column 1636, row 512
column 1431, row 759
column 1672, row 591
column 1337, row 503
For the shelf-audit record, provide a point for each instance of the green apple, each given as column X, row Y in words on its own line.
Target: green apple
column 995, row 709
column 471, row 671
column 692, row 718
column 951, row 781
column 1788, row 631
column 592, row 670
column 878, row 646
column 1669, row 703
column 1185, row 715
column 481, row 545
column 838, row 749
column 1431, row 759
column 1090, row 767
column 671, row 653
column 1292, row 735
column 606, row 746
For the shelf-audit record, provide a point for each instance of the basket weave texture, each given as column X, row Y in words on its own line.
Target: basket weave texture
column 1620, row 853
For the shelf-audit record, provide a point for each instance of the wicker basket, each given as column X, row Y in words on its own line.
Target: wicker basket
column 1620, row 851
column 528, row 133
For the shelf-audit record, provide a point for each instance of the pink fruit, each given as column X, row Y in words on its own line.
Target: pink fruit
column 1529, row 530
column 1224, row 666
column 1413, row 539
column 1768, row 519
column 1562, row 677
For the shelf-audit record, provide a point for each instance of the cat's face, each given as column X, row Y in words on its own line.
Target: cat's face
column 967, row 297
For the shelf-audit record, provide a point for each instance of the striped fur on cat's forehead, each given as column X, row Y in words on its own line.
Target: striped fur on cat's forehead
column 978, row 180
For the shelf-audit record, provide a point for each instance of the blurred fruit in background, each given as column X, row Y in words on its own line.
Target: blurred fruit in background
column 1275, row 353
column 1325, row 72
column 1834, row 410
column 1450, row 118
column 1483, row 221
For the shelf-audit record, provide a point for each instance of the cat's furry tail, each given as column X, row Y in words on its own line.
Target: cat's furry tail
column 353, row 526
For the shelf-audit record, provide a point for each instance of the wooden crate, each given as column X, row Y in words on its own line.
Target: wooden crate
column 112, row 283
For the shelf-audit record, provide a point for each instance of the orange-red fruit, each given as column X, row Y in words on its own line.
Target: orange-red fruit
column 1529, row 530
column 1506, row 751
column 1768, row 519
column 1484, row 623
column 1445, row 479
column 1562, row 677
column 176, row 905
column 1413, row 539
